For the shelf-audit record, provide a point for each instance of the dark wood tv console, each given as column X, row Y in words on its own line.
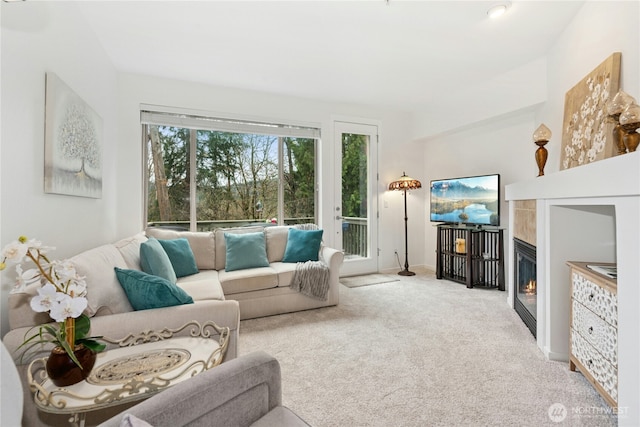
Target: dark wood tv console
column 472, row 256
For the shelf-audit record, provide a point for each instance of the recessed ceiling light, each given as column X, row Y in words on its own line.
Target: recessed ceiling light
column 498, row 10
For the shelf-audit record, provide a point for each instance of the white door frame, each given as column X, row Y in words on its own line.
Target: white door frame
column 369, row 264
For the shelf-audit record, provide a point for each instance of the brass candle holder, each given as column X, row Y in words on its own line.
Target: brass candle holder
column 614, row 109
column 631, row 137
column 541, row 136
column 630, row 123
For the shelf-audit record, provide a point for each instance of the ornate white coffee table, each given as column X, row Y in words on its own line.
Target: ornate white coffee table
column 143, row 365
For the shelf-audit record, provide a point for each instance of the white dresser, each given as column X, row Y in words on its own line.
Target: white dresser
column 593, row 346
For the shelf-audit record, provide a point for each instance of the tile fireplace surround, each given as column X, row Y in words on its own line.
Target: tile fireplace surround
column 587, row 213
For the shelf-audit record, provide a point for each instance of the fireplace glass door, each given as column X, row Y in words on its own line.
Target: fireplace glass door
column 525, row 295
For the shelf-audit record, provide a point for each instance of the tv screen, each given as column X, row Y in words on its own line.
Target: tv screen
column 473, row 200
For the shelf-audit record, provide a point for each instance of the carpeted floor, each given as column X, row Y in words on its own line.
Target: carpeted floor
column 420, row 352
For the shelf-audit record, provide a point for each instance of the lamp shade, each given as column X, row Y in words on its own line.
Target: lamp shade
column 631, row 114
column 619, row 102
column 405, row 183
column 542, row 134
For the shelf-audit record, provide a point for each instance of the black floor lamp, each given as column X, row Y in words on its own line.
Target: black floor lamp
column 403, row 184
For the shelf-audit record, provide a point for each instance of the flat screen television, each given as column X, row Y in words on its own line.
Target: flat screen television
column 471, row 200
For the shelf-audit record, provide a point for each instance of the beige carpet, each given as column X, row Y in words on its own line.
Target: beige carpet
column 368, row 279
column 420, row 352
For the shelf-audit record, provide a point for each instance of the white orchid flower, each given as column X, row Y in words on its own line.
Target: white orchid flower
column 46, row 298
column 68, row 307
column 15, row 252
column 64, row 270
column 23, row 279
column 37, row 245
column 77, row 287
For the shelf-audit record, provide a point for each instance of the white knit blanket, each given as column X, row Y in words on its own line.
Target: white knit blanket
column 311, row 278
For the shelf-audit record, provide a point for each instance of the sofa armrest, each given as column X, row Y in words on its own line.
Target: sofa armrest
column 332, row 257
column 117, row 326
column 235, row 393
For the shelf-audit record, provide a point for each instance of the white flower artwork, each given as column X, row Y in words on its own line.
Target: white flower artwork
column 73, row 143
column 586, row 132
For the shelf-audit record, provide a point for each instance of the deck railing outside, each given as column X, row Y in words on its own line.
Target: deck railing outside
column 354, row 236
column 354, row 230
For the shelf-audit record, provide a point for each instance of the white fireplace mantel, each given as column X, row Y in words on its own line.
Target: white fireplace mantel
column 587, row 213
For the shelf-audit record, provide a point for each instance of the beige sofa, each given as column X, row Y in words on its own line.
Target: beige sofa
column 223, row 297
column 262, row 291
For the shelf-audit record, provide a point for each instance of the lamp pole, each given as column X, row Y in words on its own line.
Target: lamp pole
column 403, row 184
column 406, row 271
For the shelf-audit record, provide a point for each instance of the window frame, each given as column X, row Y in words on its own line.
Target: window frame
column 198, row 121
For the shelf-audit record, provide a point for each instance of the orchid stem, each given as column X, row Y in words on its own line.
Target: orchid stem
column 70, row 331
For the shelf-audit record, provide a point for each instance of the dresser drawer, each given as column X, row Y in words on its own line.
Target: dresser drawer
column 597, row 299
column 601, row 335
column 603, row 372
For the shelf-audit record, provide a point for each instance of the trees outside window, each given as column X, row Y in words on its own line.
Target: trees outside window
column 230, row 179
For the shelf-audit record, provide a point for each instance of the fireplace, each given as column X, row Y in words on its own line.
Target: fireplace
column 525, row 294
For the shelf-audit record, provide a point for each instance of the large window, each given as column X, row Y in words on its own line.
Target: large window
column 205, row 173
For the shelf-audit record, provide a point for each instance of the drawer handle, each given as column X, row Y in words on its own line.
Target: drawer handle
column 590, row 330
column 591, row 297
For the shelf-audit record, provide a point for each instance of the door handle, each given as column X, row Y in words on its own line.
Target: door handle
column 339, row 217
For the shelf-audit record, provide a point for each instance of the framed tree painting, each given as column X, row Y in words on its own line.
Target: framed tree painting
column 586, row 132
column 72, row 143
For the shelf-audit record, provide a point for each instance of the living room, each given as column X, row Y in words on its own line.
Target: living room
column 489, row 133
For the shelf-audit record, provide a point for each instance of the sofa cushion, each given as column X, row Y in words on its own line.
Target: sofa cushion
column 251, row 279
column 202, row 286
column 276, row 241
column 302, row 245
column 221, row 247
column 203, row 244
column 154, row 260
column 146, row 291
column 129, row 248
column 285, row 271
column 104, row 293
column 181, row 256
column 244, row 251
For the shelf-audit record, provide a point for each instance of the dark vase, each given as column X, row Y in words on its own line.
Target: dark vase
column 63, row 371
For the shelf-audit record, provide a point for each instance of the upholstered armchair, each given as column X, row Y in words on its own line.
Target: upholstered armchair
column 245, row 391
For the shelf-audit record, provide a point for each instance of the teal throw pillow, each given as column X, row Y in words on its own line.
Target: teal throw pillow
column 154, row 260
column 247, row 250
column 146, row 291
column 181, row 256
column 302, row 245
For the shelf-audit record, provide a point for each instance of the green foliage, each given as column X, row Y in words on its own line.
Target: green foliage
column 56, row 336
column 236, row 176
column 354, row 175
column 299, row 177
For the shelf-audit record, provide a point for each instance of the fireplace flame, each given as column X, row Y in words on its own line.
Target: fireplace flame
column 531, row 287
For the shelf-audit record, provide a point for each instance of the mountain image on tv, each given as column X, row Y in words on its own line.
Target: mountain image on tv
column 472, row 200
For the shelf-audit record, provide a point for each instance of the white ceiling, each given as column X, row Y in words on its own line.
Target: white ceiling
column 403, row 55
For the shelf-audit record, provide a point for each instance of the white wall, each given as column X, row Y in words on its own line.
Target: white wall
column 504, row 93
column 39, row 38
column 503, row 146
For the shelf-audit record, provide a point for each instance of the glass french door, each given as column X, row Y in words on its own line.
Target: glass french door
column 356, row 198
